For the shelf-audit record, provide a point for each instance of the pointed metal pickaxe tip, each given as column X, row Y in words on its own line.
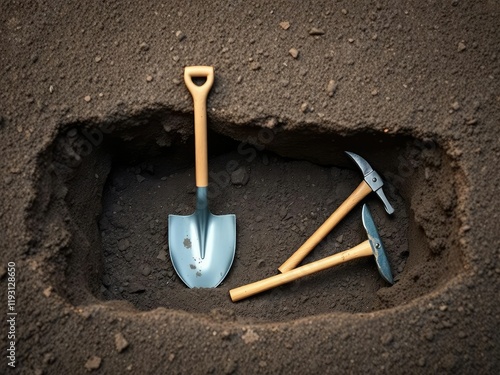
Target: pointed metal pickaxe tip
column 372, row 178
column 376, row 244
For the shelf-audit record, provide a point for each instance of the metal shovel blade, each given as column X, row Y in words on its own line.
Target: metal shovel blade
column 202, row 245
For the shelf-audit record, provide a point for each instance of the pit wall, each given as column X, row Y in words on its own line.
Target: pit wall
column 75, row 169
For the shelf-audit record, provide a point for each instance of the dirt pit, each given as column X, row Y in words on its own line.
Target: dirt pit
column 280, row 184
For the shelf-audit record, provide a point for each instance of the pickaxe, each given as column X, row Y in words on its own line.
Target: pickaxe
column 372, row 246
column 372, row 182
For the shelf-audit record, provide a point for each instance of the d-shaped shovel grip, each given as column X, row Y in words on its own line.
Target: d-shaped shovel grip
column 199, row 94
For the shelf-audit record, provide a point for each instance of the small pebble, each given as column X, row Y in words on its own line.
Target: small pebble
column 285, row 25
column 162, row 255
column 149, row 78
column 140, row 178
column 98, row 59
column 294, row 53
column 316, row 31
column 461, row 46
column 120, row 342
column 455, row 106
column 304, row 107
column 87, row 98
column 331, row 88
column 93, row 363
column 180, row 35
column 284, row 82
column 344, row 11
column 144, row 47
column 386, row 338
column 255, row 65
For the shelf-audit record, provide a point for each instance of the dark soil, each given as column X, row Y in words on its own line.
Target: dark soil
column 280, row 206
column 97, row 151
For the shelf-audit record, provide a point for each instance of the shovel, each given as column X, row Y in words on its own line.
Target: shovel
column 202, row 245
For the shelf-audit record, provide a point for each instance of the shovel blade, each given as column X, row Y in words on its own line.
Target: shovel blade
column 202, row 247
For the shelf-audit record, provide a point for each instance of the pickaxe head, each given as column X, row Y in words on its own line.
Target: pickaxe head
column 376, row 245
column 372, row 178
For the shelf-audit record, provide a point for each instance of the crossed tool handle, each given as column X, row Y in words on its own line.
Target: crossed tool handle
column 372, row 246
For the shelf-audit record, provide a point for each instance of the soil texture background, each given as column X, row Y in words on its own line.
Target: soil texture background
column 96, row 145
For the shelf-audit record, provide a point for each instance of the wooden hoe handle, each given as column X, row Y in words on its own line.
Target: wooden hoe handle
column 199, row 94
column 362, row 250
column 357, row 195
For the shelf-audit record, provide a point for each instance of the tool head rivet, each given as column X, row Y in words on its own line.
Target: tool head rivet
column 377, row 246
column 374, row 179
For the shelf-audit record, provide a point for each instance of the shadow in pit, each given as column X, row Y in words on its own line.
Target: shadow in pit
column 107, row 188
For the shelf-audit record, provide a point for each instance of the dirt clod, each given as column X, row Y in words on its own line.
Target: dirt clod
column 123, row 244
column 240, row 177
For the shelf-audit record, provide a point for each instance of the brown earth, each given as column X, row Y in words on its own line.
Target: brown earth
column 97, row 151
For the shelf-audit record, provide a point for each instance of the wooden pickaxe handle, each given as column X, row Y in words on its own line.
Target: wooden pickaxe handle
column 362, row 250
column 357, row 195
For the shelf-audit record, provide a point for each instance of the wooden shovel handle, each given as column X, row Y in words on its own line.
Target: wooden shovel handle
column 199, row 94
column 362, row 250
column 357, row 195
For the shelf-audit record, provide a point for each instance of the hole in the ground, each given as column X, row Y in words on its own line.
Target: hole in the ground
column 109, row 190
